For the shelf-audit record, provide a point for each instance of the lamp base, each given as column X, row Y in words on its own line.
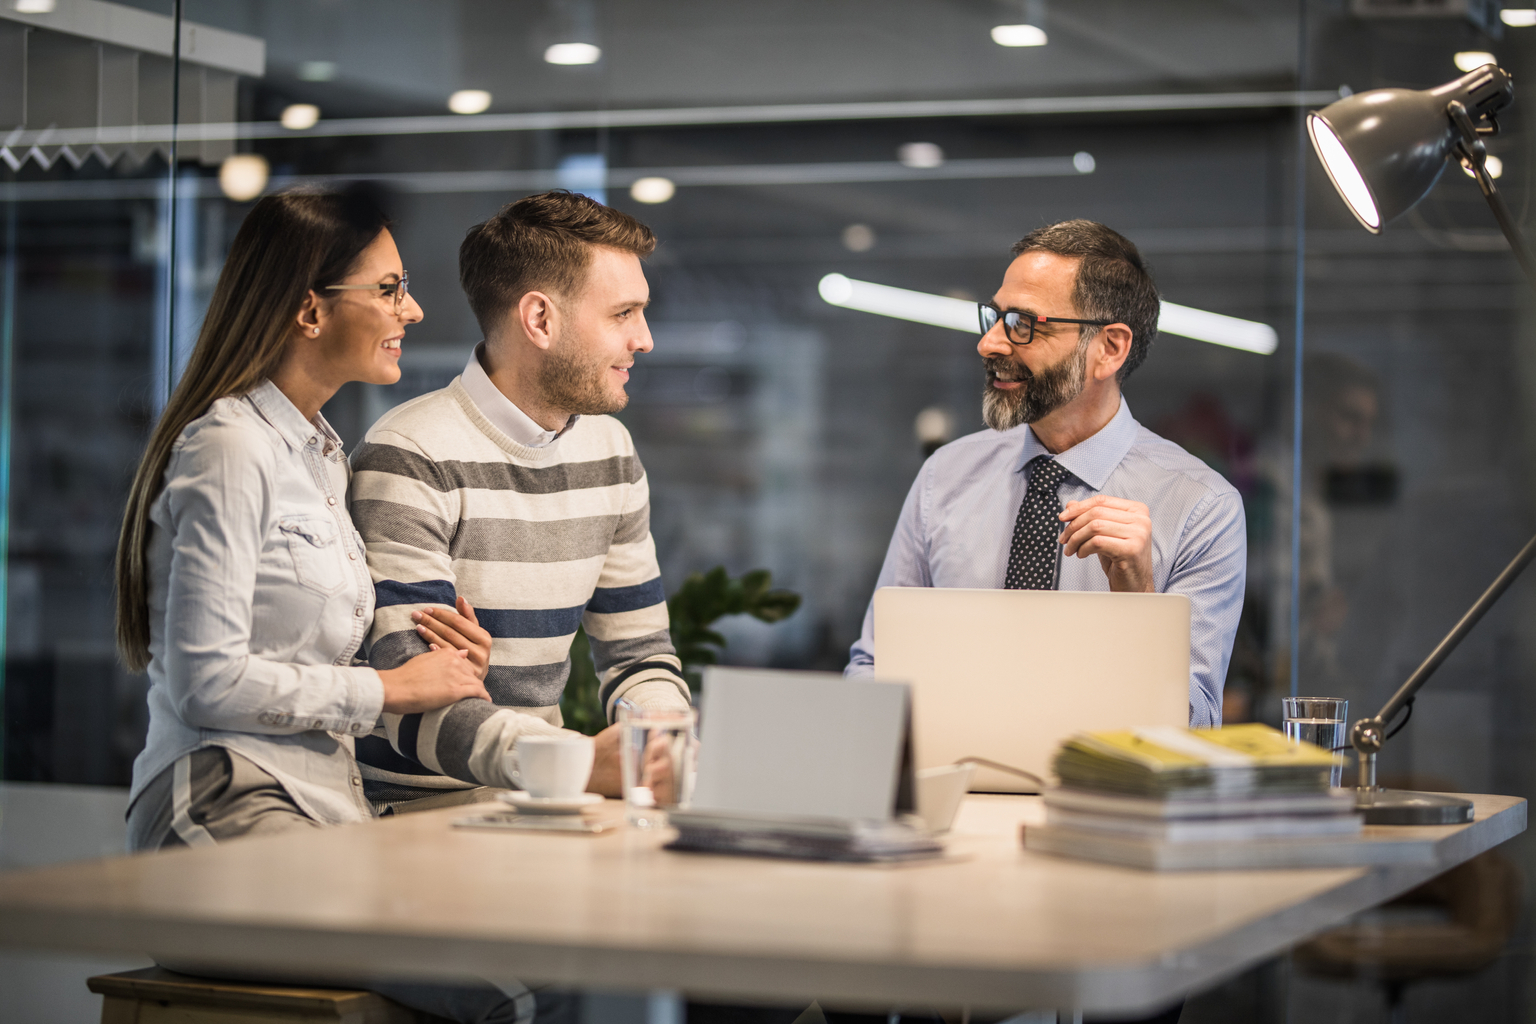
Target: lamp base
column 1404, row 807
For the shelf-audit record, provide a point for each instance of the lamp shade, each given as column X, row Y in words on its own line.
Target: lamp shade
column 1385, row 149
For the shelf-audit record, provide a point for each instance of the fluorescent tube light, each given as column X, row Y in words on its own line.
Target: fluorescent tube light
column 901, row 303
column 1217, row 328
column 960, row 315
column 1518, row 17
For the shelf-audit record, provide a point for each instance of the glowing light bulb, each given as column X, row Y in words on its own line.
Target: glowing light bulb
column 1019, row 35
column 469, row 101
column 299, row 116
column 243, row 176
column 652, row 190
column 573, row 53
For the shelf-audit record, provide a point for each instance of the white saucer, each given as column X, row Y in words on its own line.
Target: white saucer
column 529, row 804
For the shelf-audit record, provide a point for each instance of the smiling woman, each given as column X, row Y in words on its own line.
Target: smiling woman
column 238, row 568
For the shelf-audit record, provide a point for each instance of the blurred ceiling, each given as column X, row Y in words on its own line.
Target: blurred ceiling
column 411, row 54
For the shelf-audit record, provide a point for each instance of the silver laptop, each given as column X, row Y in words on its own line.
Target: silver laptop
column 1006, row 675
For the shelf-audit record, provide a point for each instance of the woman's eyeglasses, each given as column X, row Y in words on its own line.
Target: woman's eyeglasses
column 1020, row 327
column 396, row 290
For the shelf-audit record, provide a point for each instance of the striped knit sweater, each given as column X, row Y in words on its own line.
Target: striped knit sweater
column 541, row 541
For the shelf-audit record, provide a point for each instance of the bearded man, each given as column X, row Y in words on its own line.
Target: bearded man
column 1066, row 491
column 513, row 497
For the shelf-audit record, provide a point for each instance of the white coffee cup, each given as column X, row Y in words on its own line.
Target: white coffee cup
column 553, row 767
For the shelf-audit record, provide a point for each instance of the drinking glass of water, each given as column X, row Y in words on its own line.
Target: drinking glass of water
column 1323, row 721
column 657, row 752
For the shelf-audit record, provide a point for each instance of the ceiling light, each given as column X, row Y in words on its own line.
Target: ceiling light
column 1018, row 35
column 298, row 116
column 1471, row 60
column 960, row 315
column 901, row 303
column 1084, row 162
column 243, row 176
column 35, row 6
column 1217, row 328
column 1518, row 17
column 317, row 70
column 652, row 190
column 469, row 101
column 920, row 154
column 858, row 238
column 1494, row 164
column 573, row 53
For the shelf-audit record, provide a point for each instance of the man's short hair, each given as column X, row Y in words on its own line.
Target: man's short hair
column 1112, row 284
column 540, row 243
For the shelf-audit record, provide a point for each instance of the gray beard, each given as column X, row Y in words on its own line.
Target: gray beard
column 570, row 383
column 1042, row 394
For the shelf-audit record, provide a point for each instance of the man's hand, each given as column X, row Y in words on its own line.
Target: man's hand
column 1119, row 532
column 460, row 630
column 430, row 681
column 606, row 777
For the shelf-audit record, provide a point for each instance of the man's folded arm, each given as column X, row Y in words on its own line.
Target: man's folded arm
column 468, row 741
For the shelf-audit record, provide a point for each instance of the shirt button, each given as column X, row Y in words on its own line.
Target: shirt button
column 330, row 501
column 313, row 440
column 356, row 781
column 316, row 724
column 352, row 555
column 358, row 612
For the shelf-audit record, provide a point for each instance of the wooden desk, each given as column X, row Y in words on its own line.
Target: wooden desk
column 995, row 927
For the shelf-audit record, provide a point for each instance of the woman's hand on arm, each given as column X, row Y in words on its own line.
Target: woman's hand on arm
column 431, row 681
column 442, row 627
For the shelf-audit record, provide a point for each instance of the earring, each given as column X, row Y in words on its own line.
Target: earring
column 315, row 332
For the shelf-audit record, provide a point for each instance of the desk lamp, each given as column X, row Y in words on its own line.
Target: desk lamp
column 1384, row 151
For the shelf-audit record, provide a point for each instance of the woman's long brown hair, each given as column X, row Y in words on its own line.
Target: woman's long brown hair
column 290, row 243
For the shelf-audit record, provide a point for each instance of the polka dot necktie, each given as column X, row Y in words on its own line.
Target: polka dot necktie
column 1033, row 558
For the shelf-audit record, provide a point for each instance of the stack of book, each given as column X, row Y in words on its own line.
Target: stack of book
column 1170, row 799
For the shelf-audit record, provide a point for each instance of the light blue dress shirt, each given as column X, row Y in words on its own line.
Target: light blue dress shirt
column 956, row 529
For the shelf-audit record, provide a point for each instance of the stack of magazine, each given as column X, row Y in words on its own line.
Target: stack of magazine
column 1172, row 799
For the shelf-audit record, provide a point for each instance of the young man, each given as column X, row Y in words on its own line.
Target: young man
column 1076, row 314
column 512, row 495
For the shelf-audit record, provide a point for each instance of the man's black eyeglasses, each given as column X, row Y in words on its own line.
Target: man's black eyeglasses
column 1020, row 327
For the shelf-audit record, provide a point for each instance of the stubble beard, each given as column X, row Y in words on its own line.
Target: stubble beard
column 576, row 384
column 1041, row 394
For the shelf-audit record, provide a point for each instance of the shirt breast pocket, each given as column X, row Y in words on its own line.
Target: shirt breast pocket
column 315, row 546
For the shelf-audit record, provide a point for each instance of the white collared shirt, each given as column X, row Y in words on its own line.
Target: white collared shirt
column 504, row 415
column 259, row 598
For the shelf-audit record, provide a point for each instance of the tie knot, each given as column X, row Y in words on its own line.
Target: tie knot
column 1047, row 471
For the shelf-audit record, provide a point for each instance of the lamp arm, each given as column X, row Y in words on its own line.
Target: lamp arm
column 1458, row 633
column 1475, row 155
column 1368, row 734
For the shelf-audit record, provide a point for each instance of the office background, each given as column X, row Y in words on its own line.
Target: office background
column 782, row 432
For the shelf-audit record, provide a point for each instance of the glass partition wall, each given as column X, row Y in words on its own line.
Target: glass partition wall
column 906, row 144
